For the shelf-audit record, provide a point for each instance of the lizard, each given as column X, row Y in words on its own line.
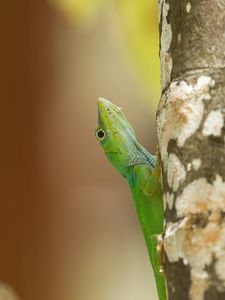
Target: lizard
column 142, row 173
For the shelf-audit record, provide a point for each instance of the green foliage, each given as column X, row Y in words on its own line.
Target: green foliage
column 78, row 11
column 138, row 28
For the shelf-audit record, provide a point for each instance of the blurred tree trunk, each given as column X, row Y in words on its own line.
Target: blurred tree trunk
column 25, row 78
column 190, row 123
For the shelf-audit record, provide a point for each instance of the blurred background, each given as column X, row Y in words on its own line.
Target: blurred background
column 68, row 229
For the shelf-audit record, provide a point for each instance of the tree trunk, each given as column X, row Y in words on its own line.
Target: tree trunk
column 191, row 133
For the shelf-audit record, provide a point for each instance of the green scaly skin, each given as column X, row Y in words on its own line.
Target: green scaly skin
column 138, row 167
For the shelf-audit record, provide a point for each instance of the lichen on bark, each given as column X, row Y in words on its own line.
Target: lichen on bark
column 191, row 134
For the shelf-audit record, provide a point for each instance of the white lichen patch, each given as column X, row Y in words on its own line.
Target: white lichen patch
column 213, row 124
column 189, row 167
column 183, row 242
column 176, row 172
column 178, row 38
column 166, row 38
column 169, row 198
column 200, row 196
column 181, row 111
column 171, row 243
column 219, row 266
column 196, row 163
column 197, row 247
column 188, row 7
column 160, row 5
column 164, row 202
column 203, row 81
column 199, row 284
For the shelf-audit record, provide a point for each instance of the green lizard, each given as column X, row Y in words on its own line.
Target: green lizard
column 139, row 168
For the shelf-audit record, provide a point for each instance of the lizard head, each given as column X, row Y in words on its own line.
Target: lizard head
column 115, row 135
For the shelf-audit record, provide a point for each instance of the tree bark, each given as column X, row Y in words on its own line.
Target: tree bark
column 191, row 133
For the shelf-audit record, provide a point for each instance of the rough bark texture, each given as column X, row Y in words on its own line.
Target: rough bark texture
column 191, row 132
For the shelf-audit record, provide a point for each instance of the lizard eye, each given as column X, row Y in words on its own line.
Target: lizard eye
column 100, row 134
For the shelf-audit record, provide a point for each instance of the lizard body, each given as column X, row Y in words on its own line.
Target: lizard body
column 139, row 168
